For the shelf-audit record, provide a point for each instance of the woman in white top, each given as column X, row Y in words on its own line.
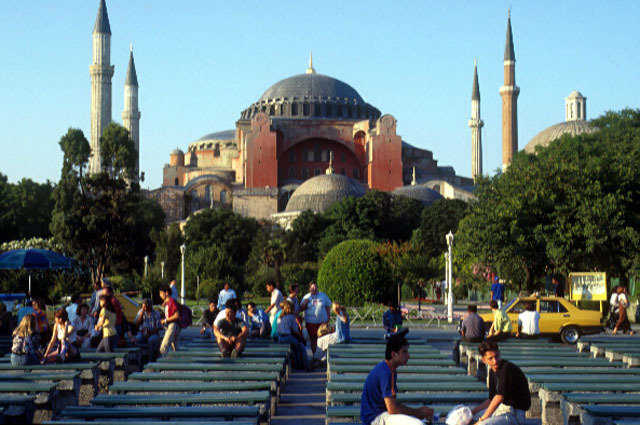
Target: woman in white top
column 61, row 346
column 529, row 322
column 623, row 320
column 83, row 327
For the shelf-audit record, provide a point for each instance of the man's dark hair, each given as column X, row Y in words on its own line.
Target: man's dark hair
column 531, row 306
column 108, row 290
column 472, row 308
column 76, row 298
column 488, row 346
column 164, row 288
column 493, row 304
column 251, row 304
column 231, row 304
column 212, row 301
column 293, row 287
column 270, row 283
column 396, row 342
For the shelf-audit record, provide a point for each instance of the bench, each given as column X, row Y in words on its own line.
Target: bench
column 380, row 355
column 220, row 367
column 366, row 368
column 261, row 399
column 68, row 383
column 551, row 395
column 140, row 388
column 570, row 403
column 216, row 359
column 468, row 398
column 459, row 376
column 598, row 414
column 88, row 375
column 422, row 387
column 351, row 414
column 45, row 396
column 227, row 413
column 143, row 422
column 17, row 408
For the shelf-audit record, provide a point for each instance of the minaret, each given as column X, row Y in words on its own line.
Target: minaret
column 476, row 127
column 101, row 72
column 131, row 114
column 575, row 107
column 509, row 92
column 413, row 177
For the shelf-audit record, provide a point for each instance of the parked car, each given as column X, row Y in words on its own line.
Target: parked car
column 558, row 317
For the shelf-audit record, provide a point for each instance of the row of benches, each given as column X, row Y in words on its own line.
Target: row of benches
column 195, row 385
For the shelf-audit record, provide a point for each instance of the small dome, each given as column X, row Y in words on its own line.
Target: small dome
column 177, row 151
column 546, row 136
column 575, row 95
column 419, row 192
column 320, row 192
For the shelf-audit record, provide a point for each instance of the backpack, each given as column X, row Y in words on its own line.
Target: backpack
column 185, row 317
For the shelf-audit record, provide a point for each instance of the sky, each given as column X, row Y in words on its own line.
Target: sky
column 201, row 62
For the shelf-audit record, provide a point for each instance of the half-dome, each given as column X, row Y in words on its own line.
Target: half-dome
column 549, row 134
column 320, row 192
column 419, row 192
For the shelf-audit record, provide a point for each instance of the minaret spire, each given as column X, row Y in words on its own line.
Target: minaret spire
column 476, row 125
column 101, row 72
column 413, row 177
column 509, row 93
column 330, row 167
column 131, row 114
column 310, row 69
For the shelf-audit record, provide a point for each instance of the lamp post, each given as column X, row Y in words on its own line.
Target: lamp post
column 182, row 250
column 162, row 269
column 146, row 265
column 449, row 239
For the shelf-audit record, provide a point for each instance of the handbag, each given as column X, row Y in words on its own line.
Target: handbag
column 460, row 415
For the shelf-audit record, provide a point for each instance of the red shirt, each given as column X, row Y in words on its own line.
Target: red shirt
column 170, row 307
column 41, row 321
column 117, row 308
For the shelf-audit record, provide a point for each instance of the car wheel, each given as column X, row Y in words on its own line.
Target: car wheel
column 570, row 335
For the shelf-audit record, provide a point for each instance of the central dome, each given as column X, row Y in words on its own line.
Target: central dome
column 312, row 86
column 312, row 96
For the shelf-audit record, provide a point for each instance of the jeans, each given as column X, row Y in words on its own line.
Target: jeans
column 300, row 358
column 170, row 337
column 23, row 359
column 506, row 415
column 152, row 340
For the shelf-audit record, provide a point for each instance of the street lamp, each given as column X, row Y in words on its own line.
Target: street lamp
column 182, row 250
column 146, row 265
column 162, row 269
column 449, row 239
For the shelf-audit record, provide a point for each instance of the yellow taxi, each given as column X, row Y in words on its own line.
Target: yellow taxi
column 558, row 316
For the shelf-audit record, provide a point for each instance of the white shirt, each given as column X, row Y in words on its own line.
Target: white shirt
column 613, row 302
column 72, row 312
column 316, row 308
column 623, row 301
column 529, row 322
column 225, row 296
column 276, row 298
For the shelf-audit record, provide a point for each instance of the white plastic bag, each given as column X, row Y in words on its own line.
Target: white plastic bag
column 460, row 415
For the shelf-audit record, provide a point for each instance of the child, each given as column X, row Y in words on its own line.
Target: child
column 61, row 346
column 107, row 322
column 24, row 349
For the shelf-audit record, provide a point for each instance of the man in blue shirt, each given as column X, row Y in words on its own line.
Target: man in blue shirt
column 391, row 320
column 497, row 292
column 378, row 405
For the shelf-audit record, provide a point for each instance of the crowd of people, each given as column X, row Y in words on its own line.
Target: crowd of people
column 289, row 320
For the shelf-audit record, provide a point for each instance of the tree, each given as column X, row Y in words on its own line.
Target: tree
column 103, row 219
column 435, row 222
column 407, row 264
column 353, row 273
column 223, row 228
column 274, row 256
column 573, row 206
column 302, row 241
column 167, row 243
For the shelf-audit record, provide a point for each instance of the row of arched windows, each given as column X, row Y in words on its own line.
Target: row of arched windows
column 306, row 109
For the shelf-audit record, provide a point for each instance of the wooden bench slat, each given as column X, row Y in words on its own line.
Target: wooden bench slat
column 218, row 398
column 154, row 412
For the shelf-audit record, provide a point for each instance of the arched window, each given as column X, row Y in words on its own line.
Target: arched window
column 356, row 173
column 329, row 110
column 292, row 172
column 294, row 109
column 272, row 110
column 176, row 182
column 292, row 156
column 305, row 109
column 223, row 196
column 318, row 172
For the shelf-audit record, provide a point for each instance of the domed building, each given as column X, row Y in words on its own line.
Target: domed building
column 275, row 159
column 575, row 123
column 419, row 192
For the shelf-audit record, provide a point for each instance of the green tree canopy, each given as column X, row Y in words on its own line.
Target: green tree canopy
column 573, row 206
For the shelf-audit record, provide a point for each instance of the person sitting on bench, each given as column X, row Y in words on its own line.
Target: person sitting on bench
column 509, row 396
column 258, row 321
column 378, row 405
column 501, row 326
column 208, row 317
column 528, row 322
column 391, row 319
column 473, row 328
column 230, row 333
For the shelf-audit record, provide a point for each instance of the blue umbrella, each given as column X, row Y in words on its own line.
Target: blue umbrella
column 34, row 259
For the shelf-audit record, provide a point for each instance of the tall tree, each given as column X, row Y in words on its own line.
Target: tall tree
column 103, row 219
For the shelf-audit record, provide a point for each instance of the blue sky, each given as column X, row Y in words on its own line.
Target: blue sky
column 200, row 63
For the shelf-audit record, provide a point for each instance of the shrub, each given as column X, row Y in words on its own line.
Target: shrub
column 257, row 280
column 210, row 288
column 353, row 272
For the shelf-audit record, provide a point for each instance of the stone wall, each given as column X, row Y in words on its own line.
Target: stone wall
column 257, row 203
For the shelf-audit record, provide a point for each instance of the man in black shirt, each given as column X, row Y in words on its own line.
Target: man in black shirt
column 509, row 396
column 208, row 317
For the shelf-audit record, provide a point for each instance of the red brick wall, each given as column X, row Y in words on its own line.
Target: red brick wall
column 262, row 161
column 385, row 166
